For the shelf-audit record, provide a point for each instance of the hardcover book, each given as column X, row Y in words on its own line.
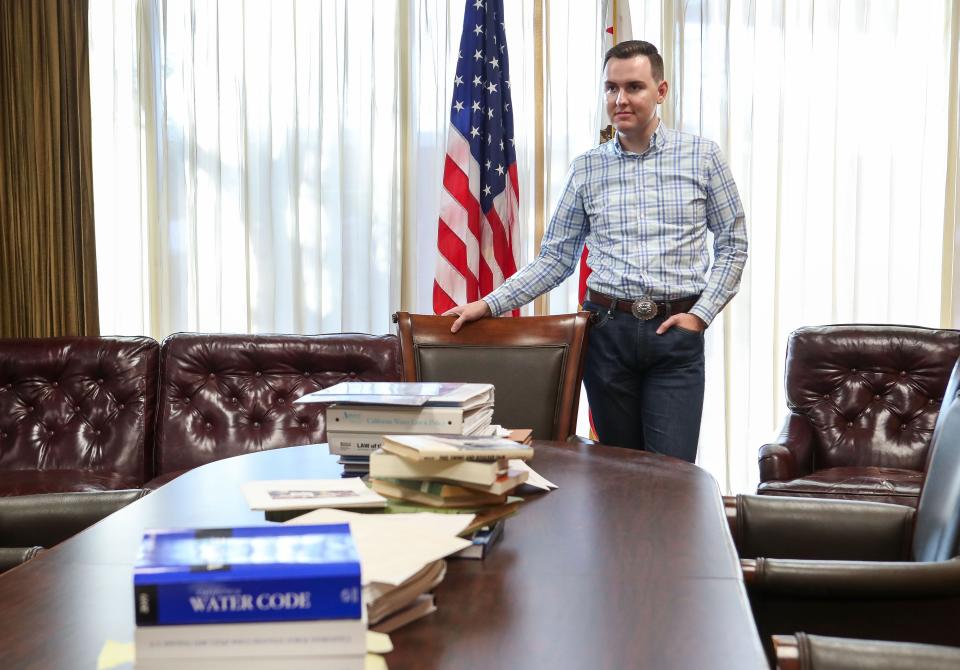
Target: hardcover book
column 477, row 448
column 236, row 575
column 439, row 420
column 331, row 637
column 391, row 466
column 435, row 494
column 414, row 394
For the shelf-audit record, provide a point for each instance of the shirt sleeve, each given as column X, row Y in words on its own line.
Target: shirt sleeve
column 727, row 222
column 559, row 252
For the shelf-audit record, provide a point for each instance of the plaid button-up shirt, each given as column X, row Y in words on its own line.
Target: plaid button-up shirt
column 644, row 218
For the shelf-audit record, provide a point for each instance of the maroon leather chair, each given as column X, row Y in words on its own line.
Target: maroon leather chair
column 76, row 413
column 863, row 401
column 816, row 652
column 225, row 395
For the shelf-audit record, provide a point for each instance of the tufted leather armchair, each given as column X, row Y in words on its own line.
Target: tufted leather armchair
column 76, row 413
column 863, row 401
column 225, row 395
column 859, row 569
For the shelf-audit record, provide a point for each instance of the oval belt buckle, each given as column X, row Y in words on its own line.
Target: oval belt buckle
column 644, row 308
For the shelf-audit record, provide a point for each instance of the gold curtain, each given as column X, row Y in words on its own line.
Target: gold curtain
column 48, row 275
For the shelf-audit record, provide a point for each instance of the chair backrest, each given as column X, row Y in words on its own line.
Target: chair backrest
column 871, row 392
column 78, row 403
column 225, row 395
column 534, row 363
column 937, row 525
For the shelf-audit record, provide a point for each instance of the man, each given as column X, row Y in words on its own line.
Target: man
column 643, row 203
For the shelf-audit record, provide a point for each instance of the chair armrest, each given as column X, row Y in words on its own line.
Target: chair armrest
column 819, row 528
column 838, row 580
column 11, row 557
column 791, row 455
column 45, row 519
column 818, row 652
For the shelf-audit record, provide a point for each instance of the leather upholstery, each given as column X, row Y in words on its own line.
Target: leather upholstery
column 860, row 396
column 817, row 652
column 11, row 557
column 49, row 518
column 534, row 363
column 76, row 413
column 225, row 395
column 937, row 530
column 805, row 528
column 914, row 600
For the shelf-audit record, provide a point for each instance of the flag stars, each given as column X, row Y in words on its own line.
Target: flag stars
column 492, row 88
column 458, row 106
column 475, row 131
column 501, row 145
column 506, row 107
column 500, row 166
column 495, row 62
column 476, row 106
column 489, row 113
column 489, row 138
column 487, row 190
column 478, row 4
column 478, row 30
column 477, row 81
column 488, row 164
column 457, row 80
column 478, row 55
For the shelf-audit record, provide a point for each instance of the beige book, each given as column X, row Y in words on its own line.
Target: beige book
column 391, row 466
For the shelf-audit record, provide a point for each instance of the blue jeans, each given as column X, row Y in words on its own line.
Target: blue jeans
column 645, row 390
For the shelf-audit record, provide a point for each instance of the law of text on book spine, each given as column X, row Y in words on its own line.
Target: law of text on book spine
column 234, row 575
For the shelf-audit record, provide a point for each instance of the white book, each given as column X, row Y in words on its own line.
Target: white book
column 294, row 494
column 280, row 663
column 332, row 637
column 416, row 394
column 379, row 419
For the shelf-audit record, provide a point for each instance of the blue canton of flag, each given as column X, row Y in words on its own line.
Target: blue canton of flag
column 481, row 100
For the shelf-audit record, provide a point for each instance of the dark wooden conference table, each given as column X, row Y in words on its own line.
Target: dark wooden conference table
column 628, row 564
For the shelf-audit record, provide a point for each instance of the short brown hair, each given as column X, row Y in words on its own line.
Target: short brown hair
column 633, row 48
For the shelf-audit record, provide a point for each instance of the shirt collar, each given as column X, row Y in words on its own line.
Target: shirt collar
column 657, row 142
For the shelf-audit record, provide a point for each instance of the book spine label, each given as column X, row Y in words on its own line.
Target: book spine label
column 187, row 602
column 354, row 444
column 439, row 420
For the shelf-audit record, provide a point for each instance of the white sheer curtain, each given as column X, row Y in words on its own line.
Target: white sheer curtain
column 277, row 166
column 246, row 165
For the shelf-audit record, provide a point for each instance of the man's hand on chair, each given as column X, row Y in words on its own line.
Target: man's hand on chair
column 469, row 312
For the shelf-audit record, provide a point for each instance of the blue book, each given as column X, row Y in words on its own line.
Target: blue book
column 236, row 575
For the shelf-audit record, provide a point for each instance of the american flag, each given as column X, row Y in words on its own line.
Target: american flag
column 478, row 232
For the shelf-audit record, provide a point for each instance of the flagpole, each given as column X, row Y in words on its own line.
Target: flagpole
column 541, row 305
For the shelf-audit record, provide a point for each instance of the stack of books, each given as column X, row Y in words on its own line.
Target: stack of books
column 362, row 412
column 283, row 597
column 472, row 473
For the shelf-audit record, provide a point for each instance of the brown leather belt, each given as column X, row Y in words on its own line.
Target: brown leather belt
column 643, row 308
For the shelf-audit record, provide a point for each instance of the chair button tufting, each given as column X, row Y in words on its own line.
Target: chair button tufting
column 100, row 382
column 281, row 401
column 850, row 424
column 234, row 401
column 208, row 425
column 258, row 374
column 876, row 397
column 211, row 376
column 55, row 384
column 256, row 424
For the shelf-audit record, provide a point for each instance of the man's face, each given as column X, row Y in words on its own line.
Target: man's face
column 632, row 94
